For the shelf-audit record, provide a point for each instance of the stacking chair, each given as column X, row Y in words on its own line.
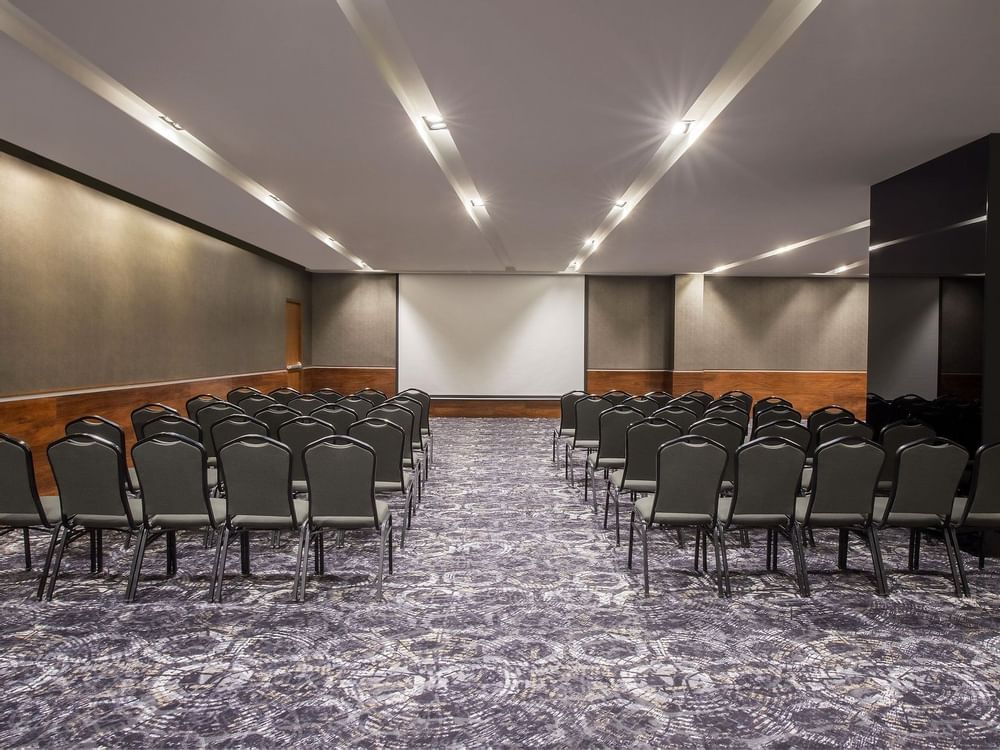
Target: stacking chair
column 726, row 433
column 114, row 434
column 238, row 394
column 820, row 417
column 388, row 440
column 842, row 496
column 777, row 414
column 688, row 477
column 341, row 476
column 334, row 414
column 567, row 421
column 768, row 473
column 661, row 397
column 236, row 426
column 194, row 404
column 587, row 434
column 21, row 507
column 427, row 436
column 616, row 397
column 257, row 472
column 275, row 416
column 611, row 427
column 255, row 403
column 642, row 441
column 794, row 432
column 284, row 395
column 839, row 428
column 172, row 423
column 923, row 497
column 329, row 395
column 420, row 439
column 680, row 415
column 408, row 421
column 892, row 437
column 90, row 475
column 372, row 394
column 981, row 510
column 643, row 404
column 175, row 497
column 306, row 403
column 742, row 397
column 297, row 434
column 207, row 417
column 147, row 413
column 694, row 405
column 731, row 411
column 768, row 402
column 701, row 397
column 359, row 405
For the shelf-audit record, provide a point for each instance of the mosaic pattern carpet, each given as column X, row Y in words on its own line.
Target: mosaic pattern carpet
column 511, row 620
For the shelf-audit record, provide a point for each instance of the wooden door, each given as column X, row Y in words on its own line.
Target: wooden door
column 293, row 344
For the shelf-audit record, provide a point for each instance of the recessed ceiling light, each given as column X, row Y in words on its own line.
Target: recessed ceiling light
column 275, row 198
column 621, row 204
column 171, row 123
column 477, row 202
column 435, row 122
column 681, row 127
column 841, row 269
column 331, row 240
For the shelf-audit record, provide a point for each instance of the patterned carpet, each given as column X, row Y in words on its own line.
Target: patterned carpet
column 511, row 620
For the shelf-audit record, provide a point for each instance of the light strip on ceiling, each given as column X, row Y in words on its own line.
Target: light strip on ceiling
column 775, row 26
column 375, row 27
column 794, row 246
column 958, row 225
column 28, row 33
column 844, row 268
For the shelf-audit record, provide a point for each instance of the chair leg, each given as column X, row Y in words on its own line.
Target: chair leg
column 631, row 534
column 100, row 550
column 171, row 553
column 607, row 503
column 645, row 558
column 744, row 538
column 302, row 565
column 842, row 550
column 801, row 571
column 245, row 553
column 917, row 534
column 704, row 550
column 383, row 533
column 220, row 564
column 140, row 552
column 92, row 535
column 58, row 563
column 958, row 560
column 718, row 559
column 812, row 539
column 27, row 549
column 390, row 545
column 982, row 550
column 697, row 547
column 725, row 561
column 767, row 553
column 881, row 561
column 952, row 564
column 48, row 561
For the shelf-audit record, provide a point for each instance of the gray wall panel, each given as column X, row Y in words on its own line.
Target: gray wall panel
column 94, row 291
column 905, row 323
column 629, row 322
column 354, row 320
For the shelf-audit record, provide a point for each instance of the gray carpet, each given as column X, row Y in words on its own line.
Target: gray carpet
column 511, row 620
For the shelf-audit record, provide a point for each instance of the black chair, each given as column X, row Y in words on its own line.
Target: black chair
column 372, row 394
column 334, row 414
column 147, row 413
column 388, row 441
column 731, row 411
column 769, row 402
column 275, row 416
column 615, row 397
column 661, row 397
column 207, row 417
column 284, row 395
column 329, row 395
column 587, row 434
column 567, row 421
column 110, row 431
column 722, row 432
column 236, row 426
column 359, row 405
column 823, row 416
column 892, row 437
column 297, row 434
column 680, row 415
column 172, row 423
column 612, row 425
column 197, row 402
column 238, row 394
column 840, row 428
column 701, row 397
column 642, row 404
column 741, row 397
column 307, row 403
column 256, row 402
column 692, row 404
column 981, row 510
column 777, row 414
column 424, row 399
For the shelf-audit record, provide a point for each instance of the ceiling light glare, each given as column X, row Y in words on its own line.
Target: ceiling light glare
column 477, row 203
column 720, row 269
column 840, row 269
column 621, row 204
column 681, row 127
column 435, row 122
column 175, row 125
column 275, row 198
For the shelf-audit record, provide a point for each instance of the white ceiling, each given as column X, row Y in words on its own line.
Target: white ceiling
column 554, row 107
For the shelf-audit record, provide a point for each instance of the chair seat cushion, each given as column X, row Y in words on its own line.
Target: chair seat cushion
column 95, row 521
column 644, row 508
column 827, row 520
column 190, row 520
column 636, row 485
column 581, row 444
column 606, row 462
column 353, row 522
column 750, row 520
column 904, row 520
column 395, row 486
column 300, row 485
column 211, row 476
column 274, row 522
column 50, row 507
column 566, row 432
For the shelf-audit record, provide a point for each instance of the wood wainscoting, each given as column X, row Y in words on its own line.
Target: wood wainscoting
column 807, row 390
column 351, row 379
column 630, row 381
column 41, row 418
column 495, row 407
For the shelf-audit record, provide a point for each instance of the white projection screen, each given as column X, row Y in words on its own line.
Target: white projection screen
column 511, row 336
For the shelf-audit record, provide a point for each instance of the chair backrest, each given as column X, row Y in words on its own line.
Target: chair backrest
column 194, row 404
column 616, row 396
column 275, row 416
column 341, row 475
column 255, row 402
column 357, row 404
column 329, row 395
column 793, row 432
column 845, row 475
column 701, row 397
column 769, row 402
column 425, row 403
column 284, row 395
column 588, row 415
column 297, row 434
column 100, row 427
column 694, row 405
column 236, row 426
column 172, row 471
column 418, row 415
column 372, row 394
column 174, row 423
column 402, row 416
column 642, row 441
column 824, row 416
column 768, row 473
column 147, row 413
column 689, row 473
column 18, row 493
column 927, row 475
column 745, row 399
column 681, row 416
column 840, row 428
column 898, row 434
column 340, row 417
column 984, row 492
column 731, row 411
column 643, row 404
column 612, row 426
column 567, row 409
column 238, row 394
column 306, row 403
column 209, row 415
column 777, row 414
column 723, row 432
column 257, row 472
column 388, row 441
column 661, row 397
column 91, row 478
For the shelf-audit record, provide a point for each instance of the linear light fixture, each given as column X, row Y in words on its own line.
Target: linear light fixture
column 435, row 122
column 48, row 47
column 794, row 246
column 621, row 204
column 900, row 240
column 843, row 268
column 774, row 27
column 477, row 202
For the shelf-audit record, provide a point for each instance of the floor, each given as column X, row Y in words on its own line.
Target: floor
column 511, row 620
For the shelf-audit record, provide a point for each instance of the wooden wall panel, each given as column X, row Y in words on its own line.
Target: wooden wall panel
column 350, row 379
column 682, row 381
column 806, row 390
column 630, row 381
column 458, row 407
